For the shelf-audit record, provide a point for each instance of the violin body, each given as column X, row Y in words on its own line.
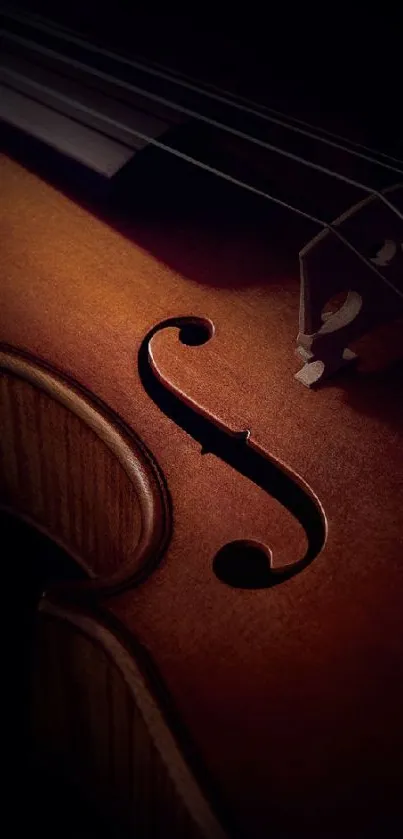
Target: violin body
column 240, row 535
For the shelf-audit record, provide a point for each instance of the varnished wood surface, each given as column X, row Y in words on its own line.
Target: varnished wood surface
column 90, row 747
column 122, row 755
column 70, row 469
column 292, row 695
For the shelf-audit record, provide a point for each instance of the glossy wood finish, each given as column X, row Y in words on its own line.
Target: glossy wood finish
column 80, row 476
column 291, row 694
column 94, row 715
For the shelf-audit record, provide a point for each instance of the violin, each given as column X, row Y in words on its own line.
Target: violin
column 221, row 654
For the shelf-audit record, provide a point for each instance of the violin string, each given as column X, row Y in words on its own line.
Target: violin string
column 220, row 174
column 220, row 95
column 162, row 100
column 223, row 127
column 259, row 109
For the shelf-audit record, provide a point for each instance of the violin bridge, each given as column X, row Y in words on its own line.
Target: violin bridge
column 351, row 280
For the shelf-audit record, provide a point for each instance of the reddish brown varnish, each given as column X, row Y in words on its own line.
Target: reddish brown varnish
column 291, row 695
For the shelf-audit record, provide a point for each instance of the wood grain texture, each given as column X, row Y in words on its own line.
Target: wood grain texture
column 70, row 469
column 297, row 507
column 292, row 695
column 95, row 718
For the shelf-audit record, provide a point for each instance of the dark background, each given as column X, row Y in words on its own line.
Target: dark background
column 327, row 62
